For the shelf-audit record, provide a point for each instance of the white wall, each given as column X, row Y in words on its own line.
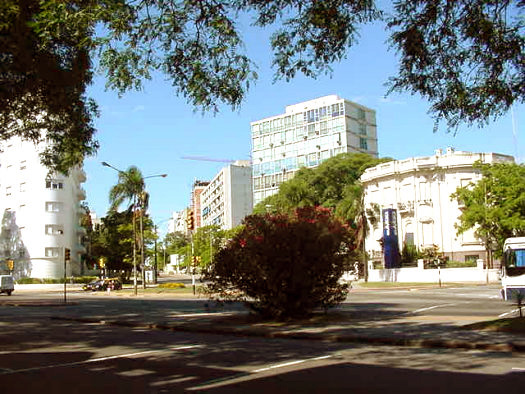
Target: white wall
column 447, row 275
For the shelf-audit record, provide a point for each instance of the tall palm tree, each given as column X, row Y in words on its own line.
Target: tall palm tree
column 130, row 188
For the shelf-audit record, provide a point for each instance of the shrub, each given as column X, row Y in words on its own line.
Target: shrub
column 409, row 255
column 29, row 281
column 460, row 264
column 176, row 285
column 284, row 266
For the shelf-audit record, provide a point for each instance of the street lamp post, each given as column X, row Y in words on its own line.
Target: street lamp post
column 105, row 164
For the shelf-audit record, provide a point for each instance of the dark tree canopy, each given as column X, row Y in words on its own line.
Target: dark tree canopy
column 465, row 57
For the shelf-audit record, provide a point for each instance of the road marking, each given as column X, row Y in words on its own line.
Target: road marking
column 94, row 360
column 431, row 307
column 509, row 313
column 243, row 375
column 202, row 314
column 290, row 363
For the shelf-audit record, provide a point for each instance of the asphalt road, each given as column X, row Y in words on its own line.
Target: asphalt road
column 59, row 356
column 457, row 305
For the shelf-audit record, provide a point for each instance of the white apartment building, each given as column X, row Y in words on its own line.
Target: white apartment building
column 41, row 213
column 307, row 134
column 227, row 200
column 419, row 191
column 178, row 222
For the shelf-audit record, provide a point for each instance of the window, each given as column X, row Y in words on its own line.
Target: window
column 23, row 187
column 323, row 128
column 409, row 238
column 312, row 159
column 322, row 113
column 267, row 181
column 363, row 144
column 54, row 184
column 362, row 129
column 311, row 130
column 54, row 229
column 8, row 191
column 361, row 114
column 257, row 143
column 52, row 252
column 53, row 206
column 23, row 165
column 424, row 191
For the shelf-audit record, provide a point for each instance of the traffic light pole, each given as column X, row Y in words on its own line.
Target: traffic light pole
column 65, row 277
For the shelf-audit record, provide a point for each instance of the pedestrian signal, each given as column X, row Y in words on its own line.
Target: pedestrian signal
column 67, row 254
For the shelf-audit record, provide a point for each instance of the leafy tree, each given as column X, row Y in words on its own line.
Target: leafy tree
column 495, row 205
column 130, row 188
column 333, row 184
column 208, row 240
column 113, row 241
column 178, row 243
column 12, row 247
column 465, row 57
column 284, row 266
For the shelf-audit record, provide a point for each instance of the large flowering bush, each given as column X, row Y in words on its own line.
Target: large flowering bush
column 285, row 266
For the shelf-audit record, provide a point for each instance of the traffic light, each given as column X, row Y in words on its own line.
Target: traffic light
column 190, row 221
column 102, row 262
column 10, row 265
column 67, row 254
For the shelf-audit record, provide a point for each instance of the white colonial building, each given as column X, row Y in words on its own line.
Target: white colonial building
column 41, row 213
column 227, row 199
column 307, row 134
column 417, row 191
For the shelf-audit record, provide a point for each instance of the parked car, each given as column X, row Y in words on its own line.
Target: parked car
column 103, row 284
column 7, row 284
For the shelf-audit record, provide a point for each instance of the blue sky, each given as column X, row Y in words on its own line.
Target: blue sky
column 153, row 129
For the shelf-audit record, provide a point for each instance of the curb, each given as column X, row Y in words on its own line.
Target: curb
column 370, row 340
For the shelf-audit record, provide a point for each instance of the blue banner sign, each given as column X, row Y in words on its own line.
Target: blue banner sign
column 390, row 238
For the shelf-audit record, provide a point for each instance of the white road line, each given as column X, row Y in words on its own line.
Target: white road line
column 203, row 314
column 94, row 360
column 243, row 375
column 290, row 363
column 509, row 313
column 431, row 307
